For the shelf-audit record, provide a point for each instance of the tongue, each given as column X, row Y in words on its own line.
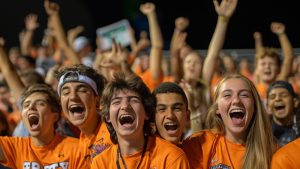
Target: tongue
column 34, row 121
column 237, row 120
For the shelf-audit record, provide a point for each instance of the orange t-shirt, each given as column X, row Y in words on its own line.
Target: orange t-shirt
column 96, row 143
column 205, row 150
column 262, row 90
column 287, row 157
column 62, row 152
column 159, row 154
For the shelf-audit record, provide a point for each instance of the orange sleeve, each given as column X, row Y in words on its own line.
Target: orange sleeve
column 287, row 157
column 9, row 147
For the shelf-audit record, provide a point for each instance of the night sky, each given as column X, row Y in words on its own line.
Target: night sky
column 250, row 16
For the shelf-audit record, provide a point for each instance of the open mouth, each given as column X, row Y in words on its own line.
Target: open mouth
column 171, row 126
column 33, row 120
column 126, row 119
column 279, row 107
column 237, row 116
column 76, row 109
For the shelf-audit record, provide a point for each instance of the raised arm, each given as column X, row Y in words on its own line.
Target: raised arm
column 224, row 10
column 9, row 72
column 156, row 52
column 259, row 46
column 73, row 33
column 31, row 24
column 52, row 9
column 287, row 50
column 177, row 43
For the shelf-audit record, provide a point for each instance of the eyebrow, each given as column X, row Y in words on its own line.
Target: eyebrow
column 128, row 97
column 29, row 101
column 174, row 104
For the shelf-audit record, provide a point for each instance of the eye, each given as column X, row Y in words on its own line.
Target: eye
column 134, row 100
column 41, row 103
column 26, row 105
column 115, row 102
column 83, row 89
column 160, row 109
column 244, row 94
column 226, row 95
column 65, row 92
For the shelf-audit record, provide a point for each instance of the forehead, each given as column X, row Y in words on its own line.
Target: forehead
column 124, row 92
column 234, row 84
column 36, row 95
column 193, row 55
column 169, row 98
column 279, row 90
column 268, row 58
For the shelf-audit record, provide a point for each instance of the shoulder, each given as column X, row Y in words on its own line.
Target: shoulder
column 287, row 156
column 162, row 148
column 289, row 149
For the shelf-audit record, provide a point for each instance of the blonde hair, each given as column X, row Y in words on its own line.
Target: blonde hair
column 259, row 142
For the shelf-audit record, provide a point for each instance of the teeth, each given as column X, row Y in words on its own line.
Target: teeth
column 170, row 126
column 170, row 123
column 237, row 111
column 76, row 108
column 126, row 118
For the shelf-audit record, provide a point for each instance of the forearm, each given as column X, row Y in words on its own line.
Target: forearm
column 9, row 72
column 214, row 48
column 288, row 54
column 26, row 42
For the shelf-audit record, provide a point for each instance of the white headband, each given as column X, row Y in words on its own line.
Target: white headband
column 74, row 76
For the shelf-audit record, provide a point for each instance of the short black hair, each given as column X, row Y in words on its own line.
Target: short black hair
column 170, row 87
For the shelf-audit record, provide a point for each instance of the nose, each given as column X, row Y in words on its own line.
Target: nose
column 236, row 99
column 169, row 113
column 277, row 97
column 125, row 105
column 32, row 106
column 73, row 95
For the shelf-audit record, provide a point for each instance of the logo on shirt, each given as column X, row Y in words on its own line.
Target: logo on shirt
column 220, row 166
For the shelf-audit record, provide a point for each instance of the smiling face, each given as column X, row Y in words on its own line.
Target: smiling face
column 236, row 108
column 192, row 66
column 79, row 103
column 127, row 114
column 37, row 115
column 171, row 116
column 268, row 69
column 281, row 104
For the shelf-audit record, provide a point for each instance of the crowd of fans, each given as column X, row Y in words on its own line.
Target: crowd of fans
column 65, row 104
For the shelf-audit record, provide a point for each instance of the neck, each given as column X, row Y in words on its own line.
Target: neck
column 129, row 147
column 90, row 126
column 238, row 139
column 43, row 140
column 283, row 122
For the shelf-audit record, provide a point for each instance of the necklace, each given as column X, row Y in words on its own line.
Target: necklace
column 123, row 161
column 228, row 153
